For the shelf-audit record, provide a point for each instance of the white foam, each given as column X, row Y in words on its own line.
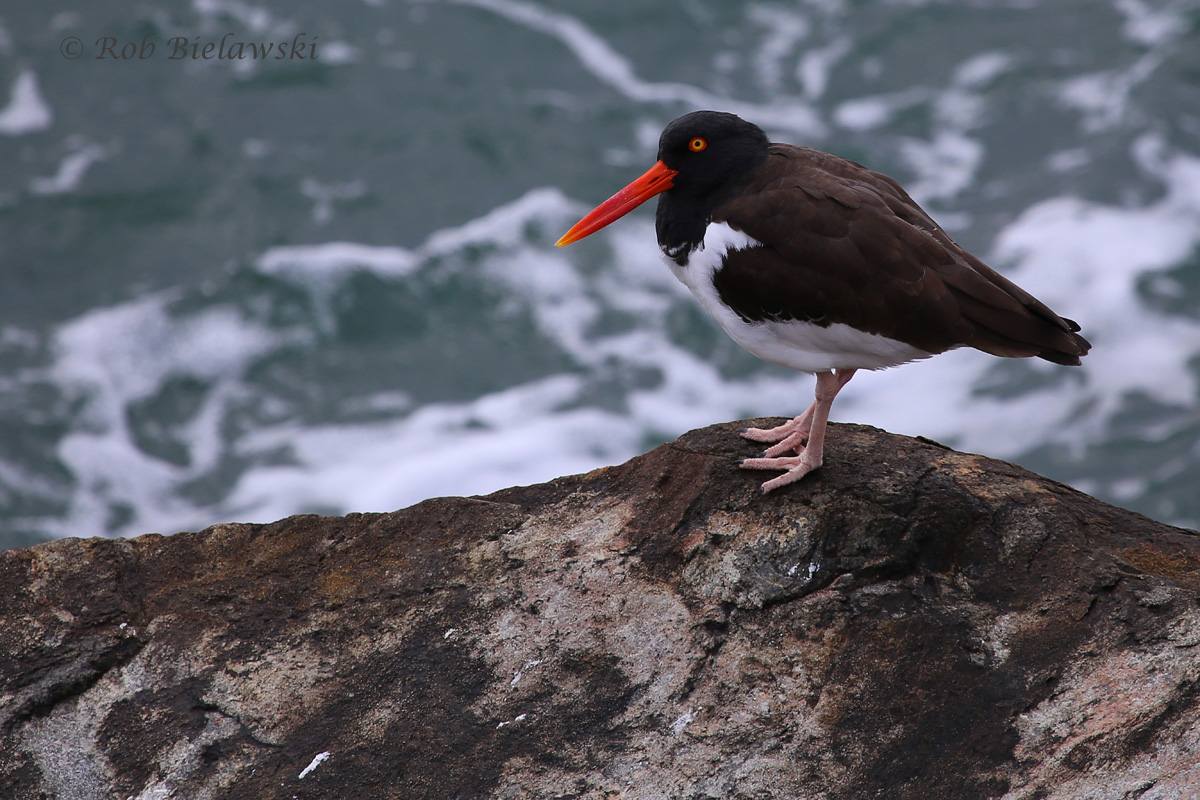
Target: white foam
column 527, row 433
column 258, row 19
column 339, row 52
column 945, row 165
column 1090, row 256
column 71, row 170
column 947, row 161
column 868, row 113
column 324, row 195
column 1084, row 260
column 981, row 69
column 817, row 63
column 27, row 111
column 504, row 226
column 110, row 358
column 442, row 449
column 1154, row 27
column 336, row 259
column 132, row 348
column 783, row 32
column 607, row 65
column 1104, row 97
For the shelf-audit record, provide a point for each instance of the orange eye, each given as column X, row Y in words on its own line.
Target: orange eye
column 697, row 144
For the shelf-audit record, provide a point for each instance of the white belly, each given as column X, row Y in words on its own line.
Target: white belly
column 802, row 346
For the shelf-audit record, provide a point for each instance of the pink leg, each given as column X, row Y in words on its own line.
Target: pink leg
column 808, row 455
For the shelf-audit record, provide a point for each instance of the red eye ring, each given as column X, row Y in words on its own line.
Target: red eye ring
column 697, row 144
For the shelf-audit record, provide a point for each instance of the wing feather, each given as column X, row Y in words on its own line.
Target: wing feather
column 848, row 245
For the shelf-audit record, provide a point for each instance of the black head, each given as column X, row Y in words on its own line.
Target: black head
column 709, row 149
column 703, row 158
column 713, row 154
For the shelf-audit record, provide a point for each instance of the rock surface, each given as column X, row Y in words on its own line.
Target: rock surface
column 908, row 622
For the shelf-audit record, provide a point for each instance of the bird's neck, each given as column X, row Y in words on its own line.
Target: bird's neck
column 685, row 211
column 680, row 222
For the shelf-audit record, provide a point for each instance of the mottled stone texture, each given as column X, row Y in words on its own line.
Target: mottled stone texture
column 908, row 622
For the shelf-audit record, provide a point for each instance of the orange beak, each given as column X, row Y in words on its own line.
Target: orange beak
column 656, row 180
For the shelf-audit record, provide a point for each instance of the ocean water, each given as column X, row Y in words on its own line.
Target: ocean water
column 238, row 289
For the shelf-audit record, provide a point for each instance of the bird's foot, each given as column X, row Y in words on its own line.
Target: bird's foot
column 794, row 443
column 797, row 467
column 793, row 430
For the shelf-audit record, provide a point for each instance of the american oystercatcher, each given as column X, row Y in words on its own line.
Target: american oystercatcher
column 817, row 263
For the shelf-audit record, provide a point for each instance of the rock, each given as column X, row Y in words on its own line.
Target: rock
column 908, row 622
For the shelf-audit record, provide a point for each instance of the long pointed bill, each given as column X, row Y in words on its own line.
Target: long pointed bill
column 656, row 180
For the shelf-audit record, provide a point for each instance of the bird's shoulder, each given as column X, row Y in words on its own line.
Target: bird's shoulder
column 820, row 176
column 822, row 212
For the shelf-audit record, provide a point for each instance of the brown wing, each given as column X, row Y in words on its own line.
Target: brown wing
column 849, row 245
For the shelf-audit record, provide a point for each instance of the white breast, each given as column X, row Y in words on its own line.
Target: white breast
column 801, row 346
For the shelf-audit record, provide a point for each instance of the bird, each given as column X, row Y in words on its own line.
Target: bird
column 819, row 264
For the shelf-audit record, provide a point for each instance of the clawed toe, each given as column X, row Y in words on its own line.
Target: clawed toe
column 796, row 468
column 791, row 435
column 792, row 444
column 767, row 435
column 770, row 463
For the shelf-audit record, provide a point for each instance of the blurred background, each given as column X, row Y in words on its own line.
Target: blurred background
column 234, row 290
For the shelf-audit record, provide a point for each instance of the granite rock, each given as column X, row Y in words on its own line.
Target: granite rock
column 907, row 622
